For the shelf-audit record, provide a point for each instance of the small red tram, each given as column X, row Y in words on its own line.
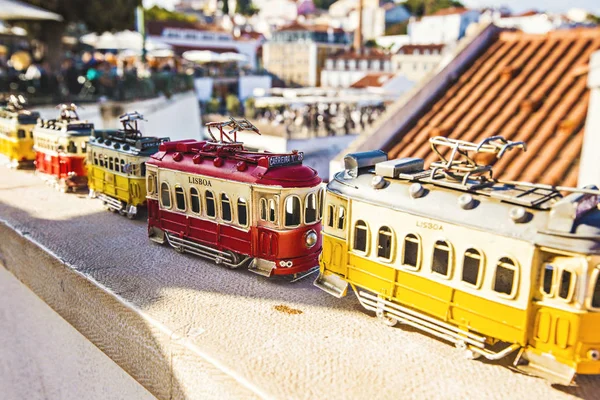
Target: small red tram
column 60, row 146
column 219, row 201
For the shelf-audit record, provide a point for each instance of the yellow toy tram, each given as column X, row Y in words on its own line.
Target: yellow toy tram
column 493, row 267
column 16, row 137
column 117, row 165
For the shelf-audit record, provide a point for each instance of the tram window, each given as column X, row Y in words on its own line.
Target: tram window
column 165, row 195
column 225, row 208
column 360, row 236
column 143, row 169
column 330, row 215
column 31, row 134
column 310, row 209
column 320, row 204
column 21, row 134
column 179, row 198
column 210, row 204
column 111, row 164
column 101, row 160
column 95, row 158
column 83, row 147
column 564, row 291
column 595, row 303
column 151, row 187
column 122, row 166
column 116, row 164
column 506, row 276
column 292, row 211
column 384, row 243
column 441, row 258
column 263, row 209
column 412, row 249
column 242, row 211
column 548, row 279
column 195, row 200
column 71, row 147
column 272, row 211
column 472, row 262
column 341, row 221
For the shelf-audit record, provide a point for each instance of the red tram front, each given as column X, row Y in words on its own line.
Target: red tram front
column 60, row 146
column 216, row 200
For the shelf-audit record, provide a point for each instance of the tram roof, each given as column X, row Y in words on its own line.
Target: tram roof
column 64, row 128
column 491, row 210
column 117, row 140
column 235, row 164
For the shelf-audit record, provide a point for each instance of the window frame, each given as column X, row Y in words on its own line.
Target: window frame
column 480, row 271
column 367, row 249
column 450, row 266
column 199, row 196
column 224, row 198
column 150, row 184
column 593, row 282
column 553, row 284
column 214, row 201
column 572, row 284
column 341, row 210
column 305, row 208
column 178, row 186
column 331, row 212
column 161, row 195
column 263, row 207
column 516, row 280
column 291, row 197
column 272, row 209
column 238, row 213
column 419, row 252
column 392, row 236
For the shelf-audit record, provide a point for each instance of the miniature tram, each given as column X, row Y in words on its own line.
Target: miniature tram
column 16, row 137
column 219, row 201
column 493, row 267
column 117, row 165
column 60, row 146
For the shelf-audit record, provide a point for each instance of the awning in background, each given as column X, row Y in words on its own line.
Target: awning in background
column 16, row 10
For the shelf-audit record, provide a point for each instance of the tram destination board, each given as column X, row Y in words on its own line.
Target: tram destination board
column 288, row 159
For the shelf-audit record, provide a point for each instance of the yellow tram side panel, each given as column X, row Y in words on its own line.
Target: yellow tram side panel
column 476, row 309
column 14, row 148
column 129, row 189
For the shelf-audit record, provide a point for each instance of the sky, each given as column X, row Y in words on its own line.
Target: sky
column 516, row 5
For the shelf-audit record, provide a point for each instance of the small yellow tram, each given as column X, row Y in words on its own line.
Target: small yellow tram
column 117, row 165
column 496, row 268
column 16, row 137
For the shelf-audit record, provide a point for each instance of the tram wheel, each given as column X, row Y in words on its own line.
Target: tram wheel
column 388, row 321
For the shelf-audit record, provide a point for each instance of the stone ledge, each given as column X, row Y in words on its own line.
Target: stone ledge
column 186, row 328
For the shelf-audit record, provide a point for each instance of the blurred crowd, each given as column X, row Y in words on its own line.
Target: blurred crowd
column 322, row 119
column 93, row 75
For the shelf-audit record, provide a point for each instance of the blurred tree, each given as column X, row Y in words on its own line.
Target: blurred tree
column 96, row 14
column 426, row 7
column 594, row 19
column 212, row 106
column 250, row 108
column 157, row 13
column 233, row 105
column 323, row 4
column 242, row 7
column 225, row 8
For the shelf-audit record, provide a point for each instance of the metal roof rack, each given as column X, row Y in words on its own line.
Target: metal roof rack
column 460, row 165
column 234, row 126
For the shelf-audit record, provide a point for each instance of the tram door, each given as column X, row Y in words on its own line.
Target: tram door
column 265, row 241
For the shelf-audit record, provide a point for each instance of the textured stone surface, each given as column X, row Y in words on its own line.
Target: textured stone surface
column 34, row 363
column 184, row 327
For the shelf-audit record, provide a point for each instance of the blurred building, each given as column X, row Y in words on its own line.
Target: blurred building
column 344, row 68
column 444, row 26
column 184, row 36
column 296, row 53
column 376, row 16
column 414, row 61
column 524, row 87
column 531, row 21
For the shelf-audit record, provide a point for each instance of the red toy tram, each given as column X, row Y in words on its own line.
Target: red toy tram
column 219, row 201
column 60, row 146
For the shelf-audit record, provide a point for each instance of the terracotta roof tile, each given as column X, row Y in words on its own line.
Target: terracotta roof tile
column 372, row 80
column 523, row 87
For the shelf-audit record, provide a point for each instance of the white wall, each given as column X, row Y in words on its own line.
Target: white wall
column 589, row 167
column 204, row 88
column 247, row 84
column 44, row 357
column 177, row 117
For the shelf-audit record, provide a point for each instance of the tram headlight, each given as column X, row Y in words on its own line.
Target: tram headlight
column 593, row 354
column 310, row 239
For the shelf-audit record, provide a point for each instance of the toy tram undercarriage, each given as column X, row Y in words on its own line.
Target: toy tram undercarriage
column 115, row 205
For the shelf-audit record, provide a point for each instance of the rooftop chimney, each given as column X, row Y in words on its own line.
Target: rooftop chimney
column 358, row 42
column 589, row 165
